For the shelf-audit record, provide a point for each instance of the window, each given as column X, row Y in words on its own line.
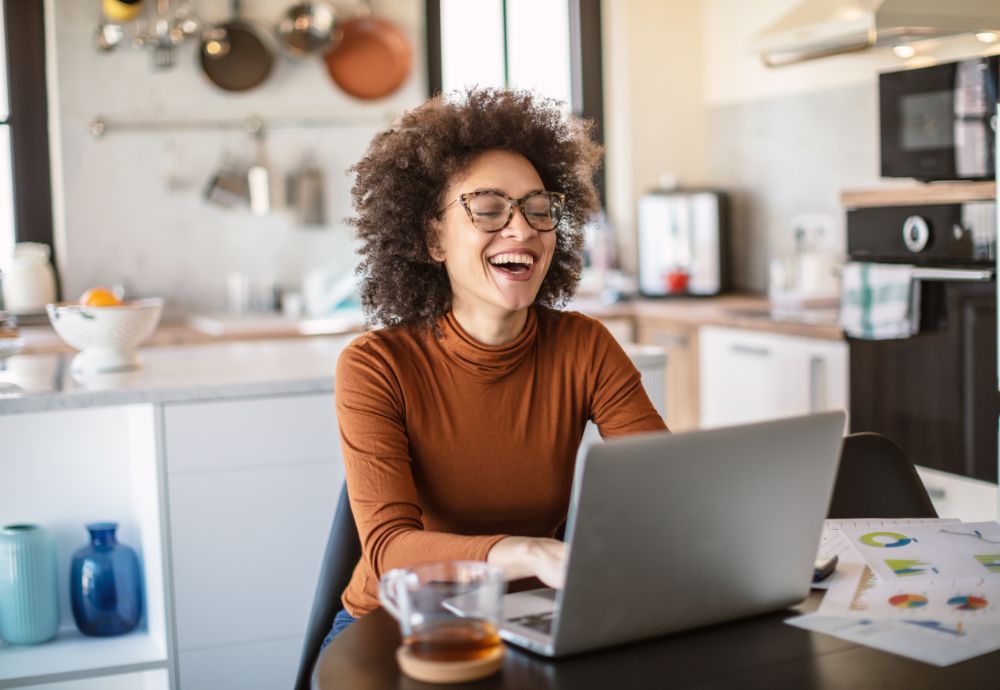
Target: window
column 551, row 46
column 25, row 188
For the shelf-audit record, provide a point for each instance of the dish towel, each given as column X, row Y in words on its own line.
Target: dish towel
column 879, row 301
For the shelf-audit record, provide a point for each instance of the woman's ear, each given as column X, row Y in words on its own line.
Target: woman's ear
column 433, row 244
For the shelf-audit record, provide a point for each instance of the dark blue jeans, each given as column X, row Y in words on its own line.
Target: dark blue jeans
column 340, row 622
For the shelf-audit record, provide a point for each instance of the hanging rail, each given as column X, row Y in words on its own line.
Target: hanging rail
column 100, row 126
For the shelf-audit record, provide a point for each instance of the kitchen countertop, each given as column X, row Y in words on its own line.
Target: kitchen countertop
column 732, row 310
column 751, row 312
column 211, row 371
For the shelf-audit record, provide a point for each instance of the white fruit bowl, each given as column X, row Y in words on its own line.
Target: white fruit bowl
column 106, row 336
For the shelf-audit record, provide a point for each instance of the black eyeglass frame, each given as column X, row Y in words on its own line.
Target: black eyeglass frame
column 463, row 199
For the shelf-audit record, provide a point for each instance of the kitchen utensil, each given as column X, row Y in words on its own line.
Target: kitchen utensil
column 308, row 28
column 237, row 55
column 372, row 59
column 165, row 37
column 185, row 20
column 29, row 282
column 258, row 178
column 106, row 336
column 108, row 35
column 228, row 186
column 121, row 10
column 306, row 191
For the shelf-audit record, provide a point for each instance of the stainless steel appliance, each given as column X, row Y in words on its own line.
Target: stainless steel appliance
column 939, row 122
column 934, row 393
column 683, row 243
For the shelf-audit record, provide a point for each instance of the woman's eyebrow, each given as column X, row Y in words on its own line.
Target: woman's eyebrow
column 504, row 193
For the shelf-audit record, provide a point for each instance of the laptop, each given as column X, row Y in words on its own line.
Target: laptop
column 673, row 531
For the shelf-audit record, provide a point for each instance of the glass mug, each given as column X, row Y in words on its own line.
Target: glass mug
column 449, row 613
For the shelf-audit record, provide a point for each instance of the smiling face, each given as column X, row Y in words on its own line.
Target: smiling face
column 493, row 275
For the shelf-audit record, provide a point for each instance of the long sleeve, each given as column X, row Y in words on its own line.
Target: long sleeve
column 371, row 413
column 620, row 405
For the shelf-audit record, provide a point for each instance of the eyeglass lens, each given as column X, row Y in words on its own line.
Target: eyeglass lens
column 491, row 212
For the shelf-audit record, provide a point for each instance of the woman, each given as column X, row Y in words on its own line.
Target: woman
column 461, row 419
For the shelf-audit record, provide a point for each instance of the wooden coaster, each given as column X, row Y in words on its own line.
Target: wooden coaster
column 448, row 671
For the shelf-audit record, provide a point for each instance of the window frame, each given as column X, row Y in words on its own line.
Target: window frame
column 586, row 65
column 24, row 23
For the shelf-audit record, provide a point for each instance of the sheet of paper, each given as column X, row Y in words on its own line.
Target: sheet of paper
column 946, row 602
column 833, row 541
column 930, row 644
column 931, row 551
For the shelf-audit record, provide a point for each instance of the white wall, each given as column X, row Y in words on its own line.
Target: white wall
column 733, row 74
column 654, row 103
column 685, row 95
column 116, row 217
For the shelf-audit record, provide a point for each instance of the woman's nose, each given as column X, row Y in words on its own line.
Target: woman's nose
column 518, row 227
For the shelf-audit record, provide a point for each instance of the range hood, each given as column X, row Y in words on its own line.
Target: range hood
column 819, row 28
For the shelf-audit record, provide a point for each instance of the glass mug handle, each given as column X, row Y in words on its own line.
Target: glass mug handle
column 393, row 595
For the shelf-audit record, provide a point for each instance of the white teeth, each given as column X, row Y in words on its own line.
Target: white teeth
column 513, row 259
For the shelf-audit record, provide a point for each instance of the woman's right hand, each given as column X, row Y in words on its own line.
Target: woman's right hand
column 538, row 557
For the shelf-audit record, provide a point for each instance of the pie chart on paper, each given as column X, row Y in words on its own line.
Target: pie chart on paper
column 908, row 601
column 968, row 603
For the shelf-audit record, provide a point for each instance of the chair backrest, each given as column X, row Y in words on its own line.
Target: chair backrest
column 343, row 550
column 877, row 480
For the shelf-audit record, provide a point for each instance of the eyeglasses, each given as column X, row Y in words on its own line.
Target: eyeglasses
column 492, row 211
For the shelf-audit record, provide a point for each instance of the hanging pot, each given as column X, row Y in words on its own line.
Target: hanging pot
column 237, row 55
column 373, row 58
column 309, row 28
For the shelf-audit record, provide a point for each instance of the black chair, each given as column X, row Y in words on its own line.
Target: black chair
column 877, row 480
column 343, row 550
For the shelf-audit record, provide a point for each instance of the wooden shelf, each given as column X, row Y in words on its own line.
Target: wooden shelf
column 926, row 193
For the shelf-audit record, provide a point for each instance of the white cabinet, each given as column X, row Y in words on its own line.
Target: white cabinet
column 63, row 469
column 253, row 486
column 749, row 376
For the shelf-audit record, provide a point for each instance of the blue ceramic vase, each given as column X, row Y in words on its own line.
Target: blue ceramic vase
column 105, row 587
column 29, row 589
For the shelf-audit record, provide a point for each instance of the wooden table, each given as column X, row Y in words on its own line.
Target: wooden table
column 761, row 652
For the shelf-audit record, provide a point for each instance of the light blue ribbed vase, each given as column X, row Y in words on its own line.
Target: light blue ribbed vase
column 29, row 590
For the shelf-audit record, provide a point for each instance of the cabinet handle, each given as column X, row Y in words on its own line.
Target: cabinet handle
column 750, row 350
column 817, row 384
column 936, row 492
column 669, row 340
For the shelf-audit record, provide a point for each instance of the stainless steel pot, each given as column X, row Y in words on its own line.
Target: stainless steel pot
column 309, row 28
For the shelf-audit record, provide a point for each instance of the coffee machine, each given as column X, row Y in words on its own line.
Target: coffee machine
column 683, row 243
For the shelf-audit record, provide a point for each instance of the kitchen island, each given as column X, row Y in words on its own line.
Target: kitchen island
column 221, row 463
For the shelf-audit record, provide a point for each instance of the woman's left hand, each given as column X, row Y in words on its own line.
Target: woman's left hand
column 538, row 557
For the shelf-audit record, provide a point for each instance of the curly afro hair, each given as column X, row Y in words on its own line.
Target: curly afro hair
column 402, row 178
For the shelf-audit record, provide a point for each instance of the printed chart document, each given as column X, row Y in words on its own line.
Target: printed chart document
column 970, row 549
column 834, row 542
column 929, row 616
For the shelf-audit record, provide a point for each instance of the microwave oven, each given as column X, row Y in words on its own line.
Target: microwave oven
column 939, row 122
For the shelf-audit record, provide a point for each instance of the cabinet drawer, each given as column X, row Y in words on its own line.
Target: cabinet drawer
column 260, row 666
column 250, row 433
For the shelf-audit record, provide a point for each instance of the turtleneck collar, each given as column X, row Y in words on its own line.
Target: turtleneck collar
column 486, row 362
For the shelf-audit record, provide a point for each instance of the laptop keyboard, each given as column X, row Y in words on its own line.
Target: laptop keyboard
column 540, row 622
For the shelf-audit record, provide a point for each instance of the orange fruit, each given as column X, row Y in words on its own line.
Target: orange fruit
column 99, row 297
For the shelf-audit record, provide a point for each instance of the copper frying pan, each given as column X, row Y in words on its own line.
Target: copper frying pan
column 372, row 60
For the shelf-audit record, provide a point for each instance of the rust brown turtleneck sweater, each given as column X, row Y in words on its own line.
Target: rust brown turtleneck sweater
column 450, row 445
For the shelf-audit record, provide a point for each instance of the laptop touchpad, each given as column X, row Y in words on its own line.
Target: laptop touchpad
column 531, row 603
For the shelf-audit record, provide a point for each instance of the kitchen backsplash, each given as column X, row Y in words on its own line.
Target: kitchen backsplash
column 786, row 159
column 130, row 205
